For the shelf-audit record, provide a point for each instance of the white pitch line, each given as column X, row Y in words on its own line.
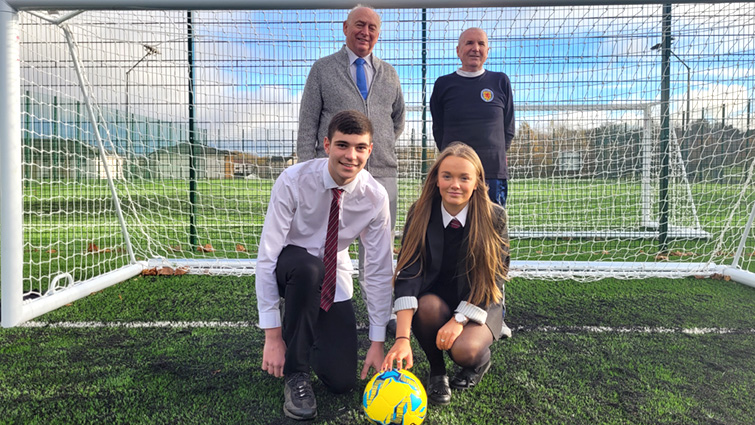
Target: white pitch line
column 634, row 329
column 177, row 325
column 522, row 329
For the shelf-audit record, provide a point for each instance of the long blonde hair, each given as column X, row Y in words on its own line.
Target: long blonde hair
column 484, row 258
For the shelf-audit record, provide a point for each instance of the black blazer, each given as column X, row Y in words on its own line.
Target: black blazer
column 410, row 283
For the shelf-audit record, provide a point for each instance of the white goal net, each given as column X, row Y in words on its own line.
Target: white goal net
column 149, row 140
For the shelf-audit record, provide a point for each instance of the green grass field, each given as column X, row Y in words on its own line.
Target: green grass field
column 183, row 350
column 63, row 218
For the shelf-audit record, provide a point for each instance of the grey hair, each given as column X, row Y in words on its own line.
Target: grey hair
column 359, row 6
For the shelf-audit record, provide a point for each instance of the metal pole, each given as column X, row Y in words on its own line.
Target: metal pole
column 689, row 80
column 100, row 145
column 192, row 163
column 11, row 191
column 129, row 151
column 424, row 92
column 128, row 126
column 665, row 131
column 743, row 239
column 646, row 153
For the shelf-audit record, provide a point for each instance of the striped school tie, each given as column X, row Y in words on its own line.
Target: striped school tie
column 328, row 292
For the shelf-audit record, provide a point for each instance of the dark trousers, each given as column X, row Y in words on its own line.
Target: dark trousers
column 498, row 191
column 326, row 341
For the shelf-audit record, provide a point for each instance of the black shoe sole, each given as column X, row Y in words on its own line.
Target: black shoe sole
column 482, row 373
column 438, row 403
column 297, row 417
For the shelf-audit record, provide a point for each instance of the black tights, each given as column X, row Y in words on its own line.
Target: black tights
column 471, row 349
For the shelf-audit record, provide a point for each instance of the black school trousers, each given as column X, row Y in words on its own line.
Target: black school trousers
column 324, row 341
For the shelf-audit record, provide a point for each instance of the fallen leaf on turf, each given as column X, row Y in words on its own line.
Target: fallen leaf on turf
column 661, row 257
column 181, row 271
column 165, row 271
column 149, row 272
column 94, row 249
column 175, row 248
column 206, row 248
column 240, row 248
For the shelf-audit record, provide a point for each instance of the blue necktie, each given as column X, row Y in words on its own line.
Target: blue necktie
column 361, row 78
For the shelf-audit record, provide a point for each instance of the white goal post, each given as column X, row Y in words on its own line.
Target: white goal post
column 143, row 137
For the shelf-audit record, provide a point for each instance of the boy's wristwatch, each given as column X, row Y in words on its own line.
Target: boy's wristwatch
column 460, row 318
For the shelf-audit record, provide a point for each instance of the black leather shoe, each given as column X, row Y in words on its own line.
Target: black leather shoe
column 469, row 377
column 438, row 391
column 300, row 401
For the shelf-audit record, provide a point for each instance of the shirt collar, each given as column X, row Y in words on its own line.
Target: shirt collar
column 470, row 74
column 329, row 183
column 461, row 216
column 353, row 56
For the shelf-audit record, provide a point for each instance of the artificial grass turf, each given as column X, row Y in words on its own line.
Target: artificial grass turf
column 552, row 371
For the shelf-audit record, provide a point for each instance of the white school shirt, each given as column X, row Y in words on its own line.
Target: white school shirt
column 447, row 217
column 369, row 70
column 298, row 215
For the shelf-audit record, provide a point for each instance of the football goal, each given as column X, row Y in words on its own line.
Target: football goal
column 140, row 138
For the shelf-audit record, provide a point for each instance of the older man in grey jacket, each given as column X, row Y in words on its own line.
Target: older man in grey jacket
column 354, row 78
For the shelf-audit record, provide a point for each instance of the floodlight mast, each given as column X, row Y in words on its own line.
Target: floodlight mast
column 686, row 115
column 149, row 51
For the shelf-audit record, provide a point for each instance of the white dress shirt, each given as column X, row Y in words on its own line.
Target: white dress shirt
column 298, row 215
column 447, row 217
column 369, row 70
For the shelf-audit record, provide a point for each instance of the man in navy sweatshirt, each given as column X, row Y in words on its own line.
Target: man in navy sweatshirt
column 476, row 106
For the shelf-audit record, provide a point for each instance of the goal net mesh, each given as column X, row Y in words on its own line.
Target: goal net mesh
column 190, row 117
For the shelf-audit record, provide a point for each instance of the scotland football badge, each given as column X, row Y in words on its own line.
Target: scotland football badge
column 486, row 95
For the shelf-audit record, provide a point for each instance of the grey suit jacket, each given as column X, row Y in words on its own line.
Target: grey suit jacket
column 330, row 89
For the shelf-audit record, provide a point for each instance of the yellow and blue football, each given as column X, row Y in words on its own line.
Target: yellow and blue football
column 395, row 397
